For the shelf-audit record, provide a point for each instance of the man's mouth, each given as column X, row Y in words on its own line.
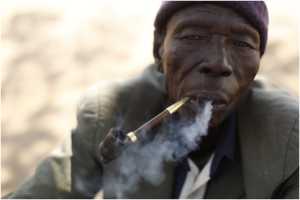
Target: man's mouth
column 199, row 99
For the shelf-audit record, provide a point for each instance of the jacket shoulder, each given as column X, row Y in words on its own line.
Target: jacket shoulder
column 264, row 95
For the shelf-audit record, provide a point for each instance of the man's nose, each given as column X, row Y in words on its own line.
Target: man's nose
column 216, row 63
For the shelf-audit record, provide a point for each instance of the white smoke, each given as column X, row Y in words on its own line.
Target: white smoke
column 145, row 160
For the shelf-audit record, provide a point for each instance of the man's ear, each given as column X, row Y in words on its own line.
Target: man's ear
column 158, row 50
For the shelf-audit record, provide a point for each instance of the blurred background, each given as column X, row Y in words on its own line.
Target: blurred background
column 52, row 51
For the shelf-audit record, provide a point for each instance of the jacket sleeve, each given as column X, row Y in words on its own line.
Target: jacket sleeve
column 289, row 189
column 291, row 185
column 70, row 171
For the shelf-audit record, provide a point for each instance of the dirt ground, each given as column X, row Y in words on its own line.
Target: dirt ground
column 51, row 52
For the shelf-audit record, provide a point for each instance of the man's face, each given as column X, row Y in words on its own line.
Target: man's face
column 209, row 53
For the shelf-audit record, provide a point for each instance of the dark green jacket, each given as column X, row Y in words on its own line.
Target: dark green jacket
column 266, row 161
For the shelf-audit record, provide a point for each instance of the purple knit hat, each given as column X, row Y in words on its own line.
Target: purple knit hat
column 255, row 11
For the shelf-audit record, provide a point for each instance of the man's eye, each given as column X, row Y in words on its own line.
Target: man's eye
column 241, row 44
column 193, row 37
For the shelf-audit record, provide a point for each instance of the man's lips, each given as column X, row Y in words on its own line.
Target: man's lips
column 198, row 99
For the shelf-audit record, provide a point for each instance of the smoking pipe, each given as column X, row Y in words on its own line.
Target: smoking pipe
column 116, row 141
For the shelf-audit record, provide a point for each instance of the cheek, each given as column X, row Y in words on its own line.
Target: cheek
column 245, row 67
column 174, row 69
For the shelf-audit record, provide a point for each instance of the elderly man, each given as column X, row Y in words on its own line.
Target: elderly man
column 207, row 51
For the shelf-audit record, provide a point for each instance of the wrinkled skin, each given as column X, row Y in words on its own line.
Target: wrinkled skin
column 207, row 52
